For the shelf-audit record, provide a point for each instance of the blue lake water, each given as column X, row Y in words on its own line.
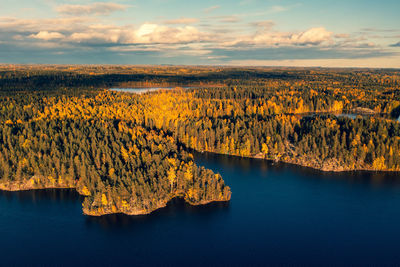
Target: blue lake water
column 144, row 90
column 352, row 116
column 279, row 214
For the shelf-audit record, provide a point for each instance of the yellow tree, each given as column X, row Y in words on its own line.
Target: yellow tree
column 379, row 163
column 171, row 173
column 264, row 149
column 189, row 172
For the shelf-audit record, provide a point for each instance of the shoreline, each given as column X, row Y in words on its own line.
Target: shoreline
column 103, row 211
column 134, row 211
column 148, row 212
column 300, row 164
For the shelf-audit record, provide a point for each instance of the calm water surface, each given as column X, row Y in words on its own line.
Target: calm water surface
column 145, row 90
column 279, row 214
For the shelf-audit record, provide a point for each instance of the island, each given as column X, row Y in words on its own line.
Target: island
column 61, row 127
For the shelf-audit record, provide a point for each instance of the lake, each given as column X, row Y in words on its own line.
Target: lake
column 279, row 214
column 348, row 115
column 145, row 90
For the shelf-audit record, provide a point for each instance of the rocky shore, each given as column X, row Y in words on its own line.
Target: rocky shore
column 128, row 208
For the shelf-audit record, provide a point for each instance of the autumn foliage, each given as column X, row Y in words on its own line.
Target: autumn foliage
column 130, row 152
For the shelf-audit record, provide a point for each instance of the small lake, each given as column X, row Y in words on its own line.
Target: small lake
column 145, row 90
column 349, row 115
column 279, row 214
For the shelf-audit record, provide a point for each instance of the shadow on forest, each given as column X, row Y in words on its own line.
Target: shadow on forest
column 52, row 82
column 395, row 112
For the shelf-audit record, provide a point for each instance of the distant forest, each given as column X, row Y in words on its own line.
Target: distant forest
column 60, row 127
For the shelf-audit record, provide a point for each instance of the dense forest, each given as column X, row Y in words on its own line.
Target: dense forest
column 60, row 127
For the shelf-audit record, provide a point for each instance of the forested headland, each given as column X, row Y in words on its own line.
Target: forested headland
column 60, row 127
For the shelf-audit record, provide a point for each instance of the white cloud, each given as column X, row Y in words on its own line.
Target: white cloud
column 313, row 36
column 89, row 31
column 93, row 37
column 45, row 35
column 94, row 8
column 36, row 25
column 147, row 33
column 176, row 38
column 154, row 33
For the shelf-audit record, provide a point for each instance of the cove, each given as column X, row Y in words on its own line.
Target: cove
column 278, row 214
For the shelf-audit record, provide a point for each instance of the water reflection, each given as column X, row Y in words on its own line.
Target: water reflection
column 372, row 178
column 146, row 90
column 177, row 207
column 36, row 196
column 348, row 115
column 242, row 175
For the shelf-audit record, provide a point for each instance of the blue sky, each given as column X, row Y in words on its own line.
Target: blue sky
column 327, row 33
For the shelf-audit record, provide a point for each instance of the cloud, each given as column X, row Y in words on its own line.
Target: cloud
column 177, row 41
column 395, row 45
column 182, row 20
column 94, row 8
column 265, row 25
column 312, row 36
column 277, row 9
column 94, row 37
column 211, row 9
column 342, row 35
column 86, row 31
column 272, row 10
column 45, row 35
column 154, row 33
column 18, row 37
column 379, row 30
column 228, row 19
column 267, row 38
column 17, row 25
column 148, row 33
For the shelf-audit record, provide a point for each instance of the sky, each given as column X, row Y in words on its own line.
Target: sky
column 328, row 33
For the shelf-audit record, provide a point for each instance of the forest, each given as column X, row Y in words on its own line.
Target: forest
column 61, row 127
